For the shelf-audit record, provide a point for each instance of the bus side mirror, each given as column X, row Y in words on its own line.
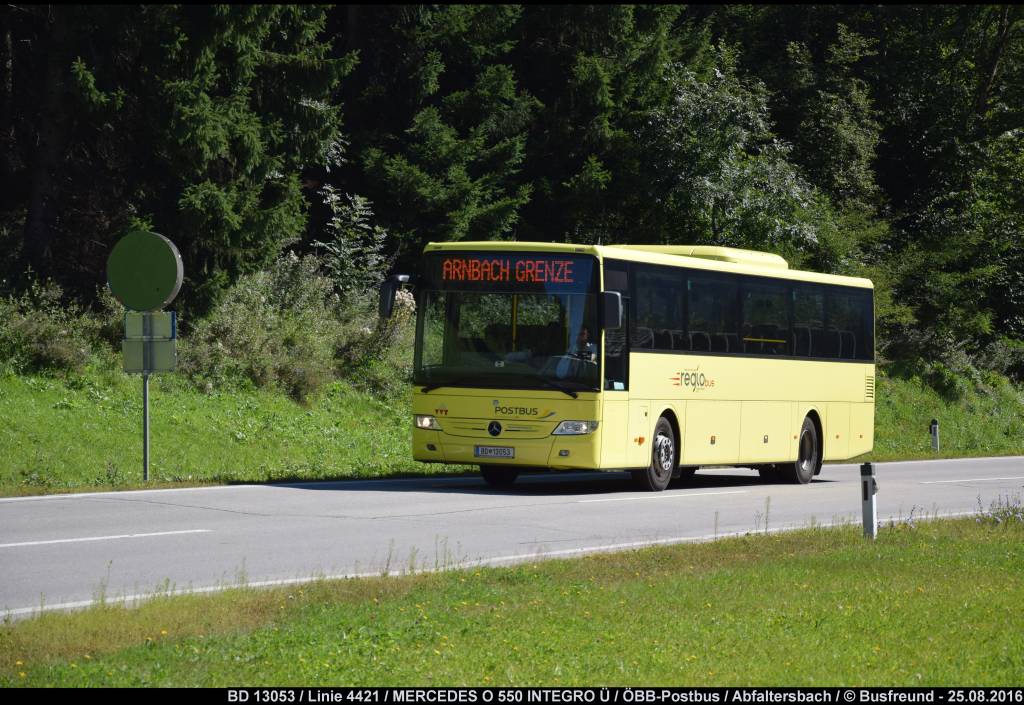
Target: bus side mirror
column 611, row 310
column 387, row 293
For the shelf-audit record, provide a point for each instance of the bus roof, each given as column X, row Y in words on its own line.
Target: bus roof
column 718, row 259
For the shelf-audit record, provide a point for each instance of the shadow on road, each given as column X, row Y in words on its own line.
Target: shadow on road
column 545, row 484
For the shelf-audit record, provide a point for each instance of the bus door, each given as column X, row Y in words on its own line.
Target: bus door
column 615, row 419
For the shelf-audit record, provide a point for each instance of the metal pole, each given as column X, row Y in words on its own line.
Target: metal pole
column 145, row 428
column 147, row 365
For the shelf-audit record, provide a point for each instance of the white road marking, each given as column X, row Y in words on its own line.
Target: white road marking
column 105, row 538
column 971, row 479
column 497, row 561
column 670, row 495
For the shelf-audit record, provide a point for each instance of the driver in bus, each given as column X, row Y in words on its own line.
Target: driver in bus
column 584, row 348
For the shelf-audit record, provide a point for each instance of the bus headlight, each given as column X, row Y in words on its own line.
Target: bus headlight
column 427, row 423
column 575, row 428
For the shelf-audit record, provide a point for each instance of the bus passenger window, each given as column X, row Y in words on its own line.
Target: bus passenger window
column 809, row 321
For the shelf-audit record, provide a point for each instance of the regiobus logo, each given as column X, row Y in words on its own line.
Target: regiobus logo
column 696, row 380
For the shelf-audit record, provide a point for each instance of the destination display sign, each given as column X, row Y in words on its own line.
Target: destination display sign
column 504, row 269
column 511, row 271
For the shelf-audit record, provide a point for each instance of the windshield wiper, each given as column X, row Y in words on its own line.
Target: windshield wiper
column 555, row 385
column 432, row 387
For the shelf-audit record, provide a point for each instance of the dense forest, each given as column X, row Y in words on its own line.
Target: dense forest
column 880, row 141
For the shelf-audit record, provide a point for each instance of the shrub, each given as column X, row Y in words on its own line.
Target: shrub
column 1005, row 356
column 353, row 253
column 274, row 328
column 42, row 332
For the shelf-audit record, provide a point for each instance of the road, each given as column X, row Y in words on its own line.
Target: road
column 61, row 552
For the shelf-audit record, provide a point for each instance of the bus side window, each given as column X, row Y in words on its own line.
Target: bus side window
column 809, row 322
column 850, row 318
column 766, row 329
column 713, row 317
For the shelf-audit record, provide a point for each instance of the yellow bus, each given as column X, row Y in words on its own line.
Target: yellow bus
column 652, row 359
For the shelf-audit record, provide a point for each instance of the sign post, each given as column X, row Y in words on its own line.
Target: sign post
column 144, row 272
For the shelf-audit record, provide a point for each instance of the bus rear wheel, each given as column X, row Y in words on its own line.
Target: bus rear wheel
column 808, row 460
column 498, row 476
column 659, row 473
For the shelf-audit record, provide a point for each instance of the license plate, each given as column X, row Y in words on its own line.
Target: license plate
column 494, row 452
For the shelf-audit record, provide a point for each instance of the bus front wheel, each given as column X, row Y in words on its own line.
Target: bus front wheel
column 808, row 459
column 658, row 474
column 497, row 476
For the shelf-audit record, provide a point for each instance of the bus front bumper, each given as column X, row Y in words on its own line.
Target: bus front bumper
column 556, row 452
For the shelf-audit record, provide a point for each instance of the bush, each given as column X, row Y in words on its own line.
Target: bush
column 1005, row 356
column 274, row 328
column 41, row 332
column 377, row 358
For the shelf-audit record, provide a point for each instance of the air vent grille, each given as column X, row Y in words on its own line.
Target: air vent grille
column 869, row 388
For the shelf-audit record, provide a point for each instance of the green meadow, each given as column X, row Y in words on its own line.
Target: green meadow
column 932, row 603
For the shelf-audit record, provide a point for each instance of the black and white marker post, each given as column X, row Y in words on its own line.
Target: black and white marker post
column 868, row 490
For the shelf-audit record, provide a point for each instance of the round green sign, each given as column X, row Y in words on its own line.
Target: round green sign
column 144, row 271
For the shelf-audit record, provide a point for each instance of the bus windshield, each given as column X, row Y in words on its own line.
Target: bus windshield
column 508, row 320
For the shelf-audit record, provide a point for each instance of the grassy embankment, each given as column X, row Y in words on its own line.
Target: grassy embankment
column 935, row 603
column 84, row 432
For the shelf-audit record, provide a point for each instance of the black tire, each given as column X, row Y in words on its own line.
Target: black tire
column 498, row 476
column 659, row 473
column 808, row 460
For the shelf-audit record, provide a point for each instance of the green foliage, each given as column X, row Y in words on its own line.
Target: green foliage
column 41, row 330
column 870, row 140
column 597, row 70
column 273, row 328
column 353, row 256
column 193, row 120
column 287, row 328
column 438, row 121
column 720, row 177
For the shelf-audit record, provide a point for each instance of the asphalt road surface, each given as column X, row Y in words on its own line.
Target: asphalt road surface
column 61, row 552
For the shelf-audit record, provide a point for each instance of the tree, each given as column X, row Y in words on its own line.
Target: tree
column 192, row 120
column 438, row 121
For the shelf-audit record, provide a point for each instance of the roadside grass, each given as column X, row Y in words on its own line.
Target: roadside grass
column 928, row 603
column 988, row 421
column 84, row 432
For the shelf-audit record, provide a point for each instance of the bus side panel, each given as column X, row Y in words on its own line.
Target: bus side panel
column 765, row 431
column 614, row 429
column 837, row 431
column 711, row 432
column 797, row 412
column 862, row 428
column 638, row 443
